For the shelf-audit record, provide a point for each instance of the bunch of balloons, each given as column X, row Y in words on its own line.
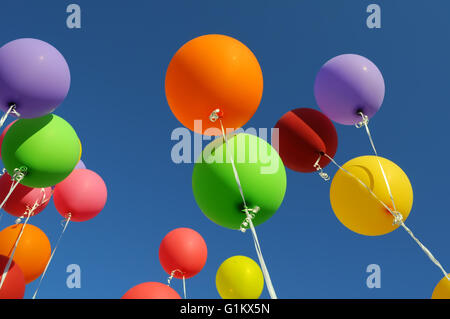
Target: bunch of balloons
column 182, row 254
column 41, row 153
column 216, row 81
column 370, row 195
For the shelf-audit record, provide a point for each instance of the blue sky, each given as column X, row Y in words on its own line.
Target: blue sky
column 117, row 105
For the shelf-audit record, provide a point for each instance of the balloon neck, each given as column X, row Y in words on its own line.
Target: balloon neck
column 364, row 120
column 12, row 109
column 319, row 169
column 250, row 215
column 359, row 111
column 19, row 173
column 216, row 115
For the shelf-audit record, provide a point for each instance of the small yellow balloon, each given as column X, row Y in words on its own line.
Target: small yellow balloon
column 359, row 210
column 442, row 290
column 239, row 277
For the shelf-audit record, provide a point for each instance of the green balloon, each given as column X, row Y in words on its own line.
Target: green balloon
column 261, row 173
column 47, row 147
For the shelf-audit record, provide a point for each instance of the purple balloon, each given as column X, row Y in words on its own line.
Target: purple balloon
column 349, row 84
column 80, row 165
column 34, row 76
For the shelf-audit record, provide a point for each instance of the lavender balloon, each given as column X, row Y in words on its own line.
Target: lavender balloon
column 34, row 76
column 349, row 84
column 80, row 165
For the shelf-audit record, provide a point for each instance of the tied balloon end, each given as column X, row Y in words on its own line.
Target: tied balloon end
column 216, row 115
column 19, row 173
column 250, row 215
column 172, row 274
column 364, row 121
column 11, row 110
column 398, row 218
column 319, row 169
column 66, row 219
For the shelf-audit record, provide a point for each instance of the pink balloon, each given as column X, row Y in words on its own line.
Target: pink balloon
column 23, row 197
column 183, row 251
column 82, row 194
column 3, row 135
column 151, row 290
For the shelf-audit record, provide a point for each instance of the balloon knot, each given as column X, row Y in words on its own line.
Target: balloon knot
column 320, row 170
column 19, row 173
column 12, row 109
column 215, row 115
column 364, row 122
column 66, row 219
column 173, row 274
column 251, row 214
column 398, row 218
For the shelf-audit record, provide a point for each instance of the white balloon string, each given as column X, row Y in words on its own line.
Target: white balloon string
column 172, row 274
column 264, row 269
column 229, row 152
column 8, row 265
column 67, row 220
column 184, row 287
column 11, row 110
column 320, row 170
column 365, row 122
column 398, row 218
column 1, row 174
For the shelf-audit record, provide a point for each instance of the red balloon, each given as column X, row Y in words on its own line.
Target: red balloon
column 14, row 284
column 304, row 134
column 184, row 250
column 151, row 290
column 3, row 135
column 82, row 194
column 23, row 197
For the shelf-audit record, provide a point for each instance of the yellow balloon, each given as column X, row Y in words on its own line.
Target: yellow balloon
column 442, row 290
column 357, row 209
column 239, row 277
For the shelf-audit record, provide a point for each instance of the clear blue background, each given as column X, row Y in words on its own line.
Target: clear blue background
column 117, row 105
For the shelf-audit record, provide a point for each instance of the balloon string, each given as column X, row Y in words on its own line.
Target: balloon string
column 67, row 220
column 398, row 220
column 1, row 174
column 169, row 280
column 11, row 110
column 184, row 287
column 264, row 269
column 320, row 170
column 365, row 122
column 8, row 265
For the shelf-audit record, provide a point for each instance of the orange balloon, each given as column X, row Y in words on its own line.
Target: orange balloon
column 33, row 250
column 442, row 289
column 214, row 72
